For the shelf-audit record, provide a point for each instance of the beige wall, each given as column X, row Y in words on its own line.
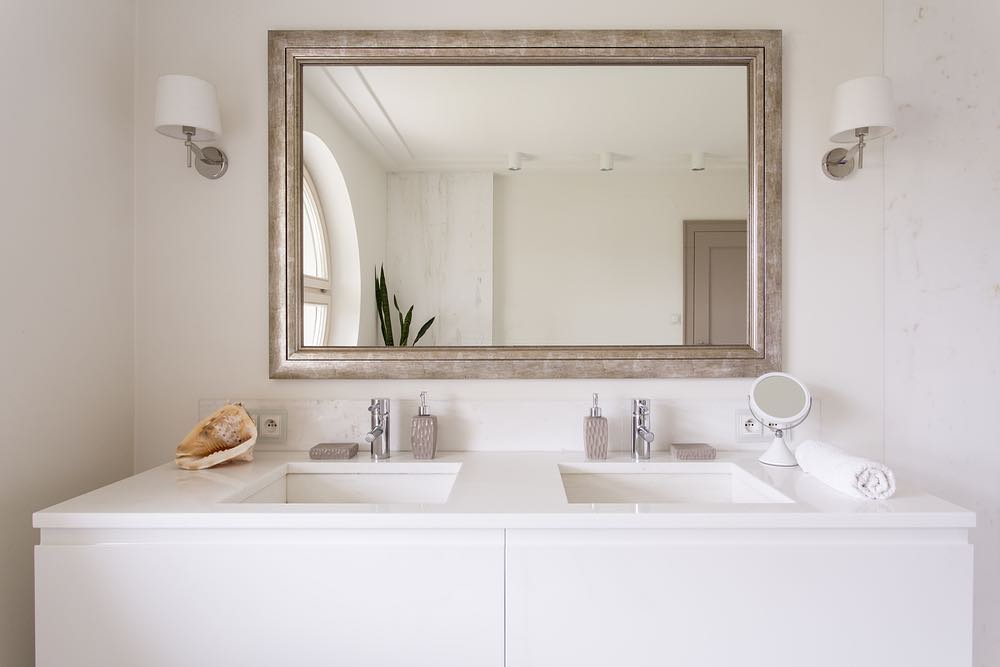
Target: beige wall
column 200, row 337
column 591, row 258
column 65, row 273
column 942, row 221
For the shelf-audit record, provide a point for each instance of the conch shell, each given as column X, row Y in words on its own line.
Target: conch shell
column 228, row 434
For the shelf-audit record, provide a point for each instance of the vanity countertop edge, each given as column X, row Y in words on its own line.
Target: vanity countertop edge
column 492, row 490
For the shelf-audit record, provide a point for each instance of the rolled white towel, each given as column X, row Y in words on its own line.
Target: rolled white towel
column 853, row 475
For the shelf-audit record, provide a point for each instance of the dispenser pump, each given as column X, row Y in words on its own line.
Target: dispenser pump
column 423, row 410
column 595, row 411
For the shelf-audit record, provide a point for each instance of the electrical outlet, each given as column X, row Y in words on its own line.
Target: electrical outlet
column 271, row 425
column 748, row 429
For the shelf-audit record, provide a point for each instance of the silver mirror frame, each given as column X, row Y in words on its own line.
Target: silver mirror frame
column 758, row 50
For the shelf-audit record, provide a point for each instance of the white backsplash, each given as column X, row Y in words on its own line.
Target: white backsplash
column 496, row 425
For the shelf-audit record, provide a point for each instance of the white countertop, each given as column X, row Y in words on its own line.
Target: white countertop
column 491, row 490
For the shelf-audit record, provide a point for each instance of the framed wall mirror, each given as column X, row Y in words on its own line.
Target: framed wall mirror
column 525, row 204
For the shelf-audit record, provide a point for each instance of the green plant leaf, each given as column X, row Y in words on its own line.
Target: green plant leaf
column 378, row 309
column 404, row 327
column 423, row 330
column 383, row 304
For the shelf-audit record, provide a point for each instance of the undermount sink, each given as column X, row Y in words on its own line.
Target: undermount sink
column 701, row 482
column 360, row 482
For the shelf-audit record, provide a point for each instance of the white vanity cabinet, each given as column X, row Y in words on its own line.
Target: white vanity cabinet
column 172, row 568
column 356, row 598
column 823, row 598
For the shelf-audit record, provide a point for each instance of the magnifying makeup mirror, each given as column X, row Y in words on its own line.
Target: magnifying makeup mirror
column 779, row 402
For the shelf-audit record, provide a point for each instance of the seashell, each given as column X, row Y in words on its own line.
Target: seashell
column 228, row 434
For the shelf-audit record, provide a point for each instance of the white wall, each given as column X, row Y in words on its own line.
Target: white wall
column 613, row 242
column 439, row 254
column 65, row 273
column 942, row 330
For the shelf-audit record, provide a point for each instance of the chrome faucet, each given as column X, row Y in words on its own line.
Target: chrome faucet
column 642, row 437
column 378, row 437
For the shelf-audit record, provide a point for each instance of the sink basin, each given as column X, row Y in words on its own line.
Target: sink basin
column 702, row 482
column 359, row 482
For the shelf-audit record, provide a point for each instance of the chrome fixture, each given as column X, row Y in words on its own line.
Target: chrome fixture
column 378, row 437
column 862, row 108
column 188, row 108
column 642, row 437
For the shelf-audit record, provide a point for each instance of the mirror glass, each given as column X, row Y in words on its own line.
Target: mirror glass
column 514, row 205
column 779, row 397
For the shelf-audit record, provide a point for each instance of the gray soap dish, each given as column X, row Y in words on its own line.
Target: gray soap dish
column 326, row 451
column 692, row 451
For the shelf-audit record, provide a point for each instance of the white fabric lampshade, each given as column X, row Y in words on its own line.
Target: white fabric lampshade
column 186, row 100
column 864, row 102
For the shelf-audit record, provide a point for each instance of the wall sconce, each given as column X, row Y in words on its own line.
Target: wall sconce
column 188, row 108
column 862, row 108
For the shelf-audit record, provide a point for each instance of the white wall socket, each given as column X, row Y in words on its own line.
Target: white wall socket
column 748, row 429
column 271, row 425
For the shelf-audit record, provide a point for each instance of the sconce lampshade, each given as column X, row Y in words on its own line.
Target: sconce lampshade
column 187, row 101
column 863, row 102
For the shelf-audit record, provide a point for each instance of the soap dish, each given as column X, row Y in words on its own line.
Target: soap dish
column 326, row 451
column 692, row 451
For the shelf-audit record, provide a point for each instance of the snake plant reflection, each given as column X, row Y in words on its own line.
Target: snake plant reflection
column 385, row 315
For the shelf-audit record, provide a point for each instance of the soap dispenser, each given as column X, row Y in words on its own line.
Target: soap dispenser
column 595, row 433
column 423, row 432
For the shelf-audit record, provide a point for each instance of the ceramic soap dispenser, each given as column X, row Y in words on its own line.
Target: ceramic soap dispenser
column 595, row 433
column 423, row 432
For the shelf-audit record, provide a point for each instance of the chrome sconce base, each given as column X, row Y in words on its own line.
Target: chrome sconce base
column 838, row 163
column 210, row 162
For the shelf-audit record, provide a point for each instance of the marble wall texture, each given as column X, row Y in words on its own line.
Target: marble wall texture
column 942, row 270
column 439, row 243
column 513, row 425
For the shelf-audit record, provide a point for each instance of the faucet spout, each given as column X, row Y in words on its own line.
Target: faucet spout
column 378, row 437
column 642, row 435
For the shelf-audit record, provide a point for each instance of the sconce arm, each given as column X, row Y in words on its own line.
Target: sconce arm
column 858, row 148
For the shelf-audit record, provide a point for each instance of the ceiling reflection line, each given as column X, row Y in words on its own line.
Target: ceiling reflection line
column 385, row 114
column 357, row 112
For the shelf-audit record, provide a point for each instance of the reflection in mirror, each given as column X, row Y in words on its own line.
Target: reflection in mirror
column 780, row 397
column 526, row 205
